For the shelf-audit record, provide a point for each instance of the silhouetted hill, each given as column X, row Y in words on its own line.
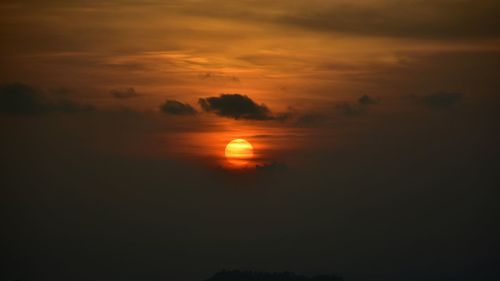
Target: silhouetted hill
column 237, row 275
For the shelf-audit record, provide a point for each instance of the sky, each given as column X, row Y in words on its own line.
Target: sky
column 373, row 122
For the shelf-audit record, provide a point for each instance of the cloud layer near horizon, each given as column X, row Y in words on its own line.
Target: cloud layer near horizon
column 177, row 108
column 19, row 98
column 236, row 106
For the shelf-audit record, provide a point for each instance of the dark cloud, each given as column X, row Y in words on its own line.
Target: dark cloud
column 19, row 98
column 367, row 100
column 68, row 106
column 356, row 109
column 348, row 109
column 301, row 118
column 418, row 19
column 177, row 108
column 219, row 77
column 124, row 93
column 310, row 119
column 436, row 19
column 319, row 117
column 236, row 106
column 440, row 99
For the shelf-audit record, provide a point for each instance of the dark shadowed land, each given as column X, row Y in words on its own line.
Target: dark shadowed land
column 237, row 275
column 247, row 275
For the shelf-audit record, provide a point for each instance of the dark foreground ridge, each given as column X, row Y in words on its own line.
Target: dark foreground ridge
column 237, row 275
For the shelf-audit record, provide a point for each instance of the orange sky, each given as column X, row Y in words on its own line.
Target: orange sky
column 311, row 60
column 282, row 53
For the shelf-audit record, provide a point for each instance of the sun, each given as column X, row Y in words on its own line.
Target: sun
column 239, row 152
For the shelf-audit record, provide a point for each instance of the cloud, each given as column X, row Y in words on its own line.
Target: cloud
column 320, row 116
column 350, row 110
column 23, row 99
column 399, row 19
column 177, row 108
column 219, row 77
column 310, row 119
column 358, row 108
column 440, row 99
column 68, row 106
column 300, row 118
column 124, row 93
column 367, row 100
column 435, row 19
column 18, row 98
column 236, row 106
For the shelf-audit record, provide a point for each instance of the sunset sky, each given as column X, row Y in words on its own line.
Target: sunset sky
column 373, row 125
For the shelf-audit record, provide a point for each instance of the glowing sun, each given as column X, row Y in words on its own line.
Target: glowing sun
column 239, row 152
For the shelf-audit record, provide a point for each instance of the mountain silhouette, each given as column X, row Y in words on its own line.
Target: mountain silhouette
column 237, row 275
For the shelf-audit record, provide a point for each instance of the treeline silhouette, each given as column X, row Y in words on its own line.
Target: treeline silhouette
column 237, row 275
